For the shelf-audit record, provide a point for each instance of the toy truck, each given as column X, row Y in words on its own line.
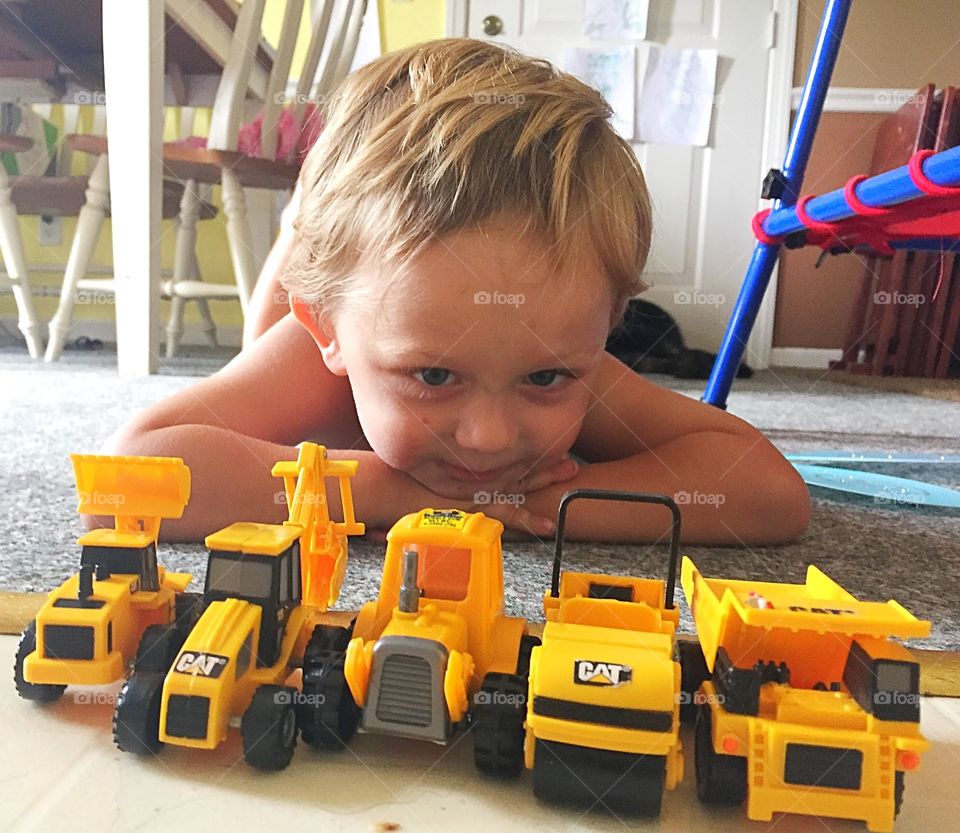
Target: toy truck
column 121, row 604
column 602, row 723
column 432, row 651
column 265, row 587
column 811, row 708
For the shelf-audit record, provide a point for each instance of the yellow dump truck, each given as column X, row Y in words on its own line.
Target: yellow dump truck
column 432, row 651
column 811, row 706
column 603, row 719
column 121, row 604
column 265, row 588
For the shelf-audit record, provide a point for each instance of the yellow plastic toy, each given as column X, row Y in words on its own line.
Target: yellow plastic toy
column 434, row 648
column 265, row 589
column 121, row 603
column 603, row 715
column 812, row 708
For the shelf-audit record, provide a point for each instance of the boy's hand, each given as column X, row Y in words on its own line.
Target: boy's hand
column 510, row 507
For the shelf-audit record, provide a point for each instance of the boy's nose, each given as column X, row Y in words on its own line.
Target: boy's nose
column 487, row 430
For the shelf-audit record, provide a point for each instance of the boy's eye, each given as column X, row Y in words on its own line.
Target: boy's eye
column 546, row 378
column 433, row 376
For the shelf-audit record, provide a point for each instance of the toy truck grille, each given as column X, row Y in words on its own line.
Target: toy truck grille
column 188, row 716
column 406, row 689
column 67, row 642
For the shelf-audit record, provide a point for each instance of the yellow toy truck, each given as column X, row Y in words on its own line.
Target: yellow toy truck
column 811, row 706
column 265, row 587
column 434, row 650
column 603, row 719
column 121, row 604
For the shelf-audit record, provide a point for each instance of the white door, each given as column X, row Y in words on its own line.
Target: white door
column 703, row 197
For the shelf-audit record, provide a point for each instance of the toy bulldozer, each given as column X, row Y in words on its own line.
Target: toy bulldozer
column 602, row 723
column 811, row 707
column 266, row 585
column 122, row 603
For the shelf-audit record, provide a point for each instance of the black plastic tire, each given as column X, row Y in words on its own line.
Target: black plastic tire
column 527, row 643
column 496, row 718
column 326, row 711
column 189, row 607
column 136, row 719
column 620, row 783
column 269, row 728
column 693, row 672
column 328, row 638
column 37, row 692
column 721, row 779
column 899, row 785
column 158, row 649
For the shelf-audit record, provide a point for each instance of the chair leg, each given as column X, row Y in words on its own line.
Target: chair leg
column 238, row 235
column 183, row 259
column 11, row 248
column 209, row 325
column 89, row 224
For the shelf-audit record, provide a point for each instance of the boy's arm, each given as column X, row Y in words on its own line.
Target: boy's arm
column 733, row 486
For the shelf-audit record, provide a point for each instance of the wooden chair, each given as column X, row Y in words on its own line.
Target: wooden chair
column 872, row 326
column 220, row 161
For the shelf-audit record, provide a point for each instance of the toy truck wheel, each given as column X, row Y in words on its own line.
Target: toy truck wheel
column 158, row 649
column 618, row 782
column 899, row 784
column 721, row 779
column 38, row 692
column 527, row 643
column 189, row 606
column 693, row 672
column 269, row 728
column 136, row 719
column 328, row 638
column 326, row 712
column 497, row 724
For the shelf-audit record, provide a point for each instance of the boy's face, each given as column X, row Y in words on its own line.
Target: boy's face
column 472, row 370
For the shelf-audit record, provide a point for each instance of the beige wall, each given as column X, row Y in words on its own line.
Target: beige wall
column 887, row 44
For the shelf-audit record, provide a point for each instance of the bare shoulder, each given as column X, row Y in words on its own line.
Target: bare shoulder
column 629, row 415
column 278, row 389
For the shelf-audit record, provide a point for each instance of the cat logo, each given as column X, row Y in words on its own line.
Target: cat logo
column 610, row 674
column 201, row 665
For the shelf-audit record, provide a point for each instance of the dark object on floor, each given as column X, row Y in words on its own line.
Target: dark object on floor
column 648, row 340
column 84, row 343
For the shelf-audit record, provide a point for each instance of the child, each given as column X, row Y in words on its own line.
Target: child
column 469, row 232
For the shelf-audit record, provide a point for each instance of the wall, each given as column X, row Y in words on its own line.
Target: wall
column 887, row 44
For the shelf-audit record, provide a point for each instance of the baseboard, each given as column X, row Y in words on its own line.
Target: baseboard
column 193, row 335
column 861, row 99
column 809, row 358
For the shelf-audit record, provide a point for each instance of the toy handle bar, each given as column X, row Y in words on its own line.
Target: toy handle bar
column 632, row 497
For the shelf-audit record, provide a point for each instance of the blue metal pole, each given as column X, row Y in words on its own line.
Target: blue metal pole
column 889, row 188
column 794, row 166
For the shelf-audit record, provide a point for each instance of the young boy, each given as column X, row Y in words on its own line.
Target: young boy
column 469, row 232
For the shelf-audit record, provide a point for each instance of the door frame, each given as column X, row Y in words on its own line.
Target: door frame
column 783, row 37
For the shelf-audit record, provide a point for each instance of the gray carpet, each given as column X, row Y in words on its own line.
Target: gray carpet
column 875, row 551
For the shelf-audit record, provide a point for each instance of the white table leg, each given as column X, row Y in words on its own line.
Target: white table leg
column 133, row 38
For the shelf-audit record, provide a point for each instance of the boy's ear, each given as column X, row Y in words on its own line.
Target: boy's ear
column 321, row 329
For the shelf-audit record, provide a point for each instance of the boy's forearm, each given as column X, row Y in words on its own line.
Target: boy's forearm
column 731, row 489
column 231, row 480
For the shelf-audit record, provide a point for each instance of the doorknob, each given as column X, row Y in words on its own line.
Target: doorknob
column 492, row 25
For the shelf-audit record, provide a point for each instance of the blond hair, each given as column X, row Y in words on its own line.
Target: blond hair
column 445, row 135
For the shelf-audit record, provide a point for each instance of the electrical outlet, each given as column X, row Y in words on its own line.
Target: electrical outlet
column 51, row 230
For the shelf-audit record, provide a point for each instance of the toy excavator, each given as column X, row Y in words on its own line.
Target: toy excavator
column 121, row 604
column 266, row 588
column 812, row 707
